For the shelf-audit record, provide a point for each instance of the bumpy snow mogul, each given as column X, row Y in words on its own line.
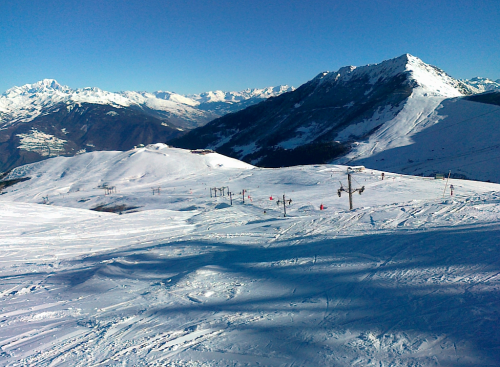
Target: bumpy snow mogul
column 92, row 119
column 380, row 115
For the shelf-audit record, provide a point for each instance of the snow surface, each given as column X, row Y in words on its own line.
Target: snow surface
column 408, row 278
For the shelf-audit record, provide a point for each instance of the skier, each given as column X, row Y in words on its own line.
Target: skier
column 451, row 189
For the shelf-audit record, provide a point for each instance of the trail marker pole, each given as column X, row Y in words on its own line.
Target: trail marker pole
column 350, row 191
column 446, row 185
column 230, row 197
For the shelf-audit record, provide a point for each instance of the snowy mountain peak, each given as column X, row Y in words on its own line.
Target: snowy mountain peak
column 174, row 97
column 42, row 86
column 407, row 58
column 428, row 79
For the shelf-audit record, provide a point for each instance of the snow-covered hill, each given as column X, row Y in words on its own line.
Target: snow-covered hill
column 408, row 278
column 140, row 168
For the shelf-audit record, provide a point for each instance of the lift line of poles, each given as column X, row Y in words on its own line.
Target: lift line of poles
column 287, row 202
column 221, row 190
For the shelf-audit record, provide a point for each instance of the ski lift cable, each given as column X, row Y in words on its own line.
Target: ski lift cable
column 356, row 180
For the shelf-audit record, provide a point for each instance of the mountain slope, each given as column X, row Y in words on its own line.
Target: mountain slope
column 68, row 130
column 460, row 135
column 333, row 109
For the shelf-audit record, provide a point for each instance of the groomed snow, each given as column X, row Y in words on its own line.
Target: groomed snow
column 408, row 278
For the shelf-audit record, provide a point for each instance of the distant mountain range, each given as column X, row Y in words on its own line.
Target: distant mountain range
column 401, row 115
column 46, row 119
column 23, row 104
column 480, row 85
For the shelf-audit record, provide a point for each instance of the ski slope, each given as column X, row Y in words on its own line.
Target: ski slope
column 410, row 277
column 433, row 135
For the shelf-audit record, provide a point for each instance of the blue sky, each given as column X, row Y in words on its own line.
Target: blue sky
column 191, row 46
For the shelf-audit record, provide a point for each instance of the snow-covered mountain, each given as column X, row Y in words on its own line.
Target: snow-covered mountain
column 183, row 278
column 23, row 104
column 47, row 119
column 480, row 85
column 350, row 115
column 220, row 96
column 220, row 103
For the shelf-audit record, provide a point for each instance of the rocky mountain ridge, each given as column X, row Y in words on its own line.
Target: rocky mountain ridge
column 325, row 110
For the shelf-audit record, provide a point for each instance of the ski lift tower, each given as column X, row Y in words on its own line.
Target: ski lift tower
column 350, row 191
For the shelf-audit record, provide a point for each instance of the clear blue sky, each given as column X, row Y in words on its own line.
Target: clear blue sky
column 191, row 46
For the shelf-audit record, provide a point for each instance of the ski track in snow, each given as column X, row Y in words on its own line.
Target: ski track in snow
column 408, row 278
